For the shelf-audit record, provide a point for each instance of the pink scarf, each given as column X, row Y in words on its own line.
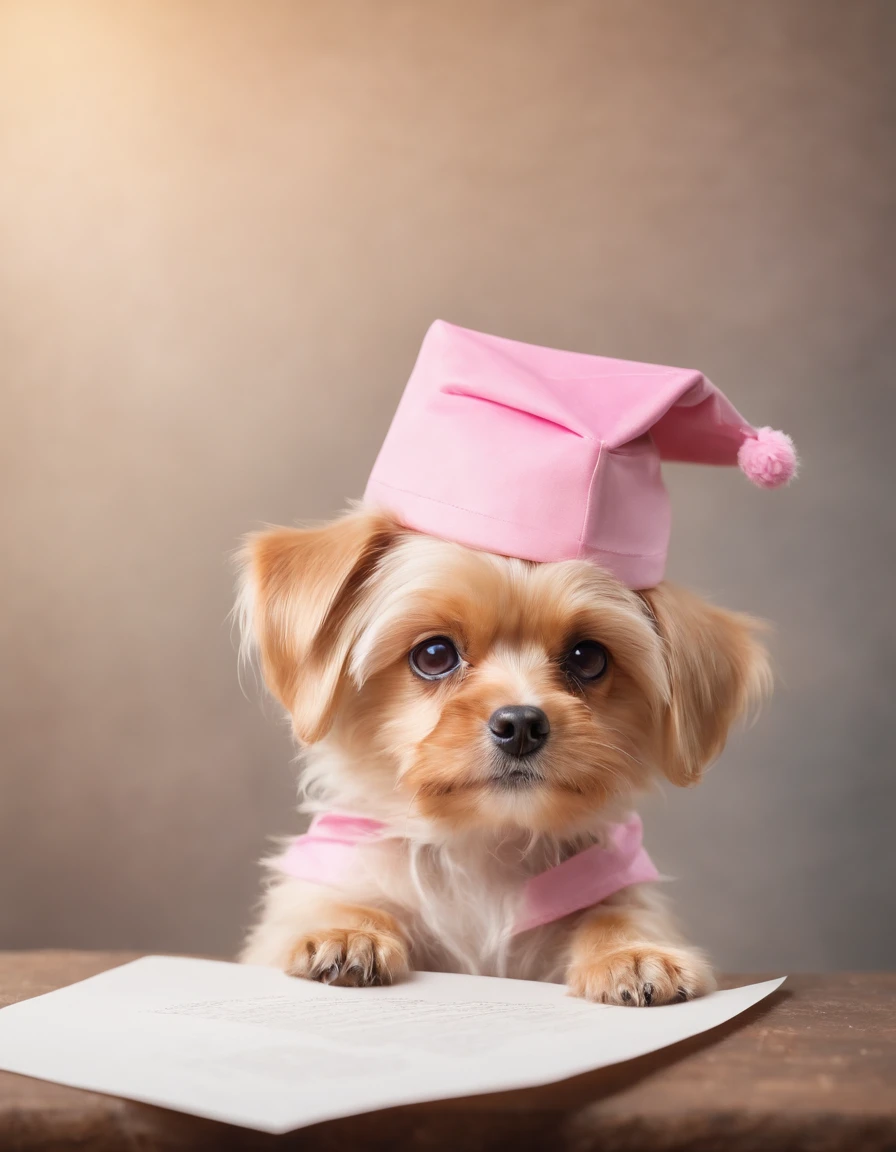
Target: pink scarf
column 328, row 853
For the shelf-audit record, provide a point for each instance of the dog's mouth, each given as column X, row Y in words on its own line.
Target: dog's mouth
column 503, row 774
column 514, row 774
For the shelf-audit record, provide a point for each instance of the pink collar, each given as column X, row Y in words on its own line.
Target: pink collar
column 328, row 853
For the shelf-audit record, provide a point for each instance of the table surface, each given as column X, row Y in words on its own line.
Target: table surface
column 810, row 1069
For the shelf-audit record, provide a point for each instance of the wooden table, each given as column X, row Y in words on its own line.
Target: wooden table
column 810, row 1069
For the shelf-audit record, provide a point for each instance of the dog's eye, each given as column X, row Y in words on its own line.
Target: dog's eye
column 587, row 660
column 434, row 658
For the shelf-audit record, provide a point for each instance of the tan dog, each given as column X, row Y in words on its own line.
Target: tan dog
column 398, row 657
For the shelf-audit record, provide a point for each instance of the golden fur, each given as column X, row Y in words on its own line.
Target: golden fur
column 333, row 612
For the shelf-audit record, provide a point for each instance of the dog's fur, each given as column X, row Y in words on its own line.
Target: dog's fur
column 332, row 613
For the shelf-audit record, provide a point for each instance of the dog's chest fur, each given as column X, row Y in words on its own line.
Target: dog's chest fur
column 459, row 903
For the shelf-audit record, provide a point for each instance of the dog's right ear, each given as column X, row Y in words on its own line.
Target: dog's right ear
column 294, row 607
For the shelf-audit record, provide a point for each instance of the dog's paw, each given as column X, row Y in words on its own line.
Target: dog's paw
column 640, row 975
column 349, row 957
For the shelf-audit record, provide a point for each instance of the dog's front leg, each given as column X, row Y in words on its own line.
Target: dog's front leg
column 626, row 952
column 327, row 940
column 367, row 948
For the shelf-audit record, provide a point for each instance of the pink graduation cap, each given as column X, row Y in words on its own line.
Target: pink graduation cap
column 548, row 455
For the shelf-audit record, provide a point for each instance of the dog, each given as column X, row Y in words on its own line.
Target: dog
column 491, row 718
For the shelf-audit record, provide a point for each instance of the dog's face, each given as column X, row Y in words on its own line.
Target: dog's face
column 488, row 691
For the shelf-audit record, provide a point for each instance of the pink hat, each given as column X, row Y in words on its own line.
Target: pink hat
column 549, row 455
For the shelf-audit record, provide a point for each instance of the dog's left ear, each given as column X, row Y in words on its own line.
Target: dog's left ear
column 298, row 589
column 718, row 667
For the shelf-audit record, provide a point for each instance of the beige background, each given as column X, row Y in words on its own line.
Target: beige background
column 224, row 227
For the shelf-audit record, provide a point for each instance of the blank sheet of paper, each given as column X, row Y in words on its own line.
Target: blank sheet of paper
column 253, row 1047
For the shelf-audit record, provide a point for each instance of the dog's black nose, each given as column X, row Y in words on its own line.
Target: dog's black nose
column 519, row 729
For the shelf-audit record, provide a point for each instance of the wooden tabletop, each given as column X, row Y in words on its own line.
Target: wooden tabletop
column 810, row 1069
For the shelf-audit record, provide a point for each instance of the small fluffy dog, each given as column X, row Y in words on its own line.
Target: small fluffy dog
column 494, row 717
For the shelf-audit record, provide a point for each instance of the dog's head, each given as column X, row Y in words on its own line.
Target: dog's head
column 485, row 690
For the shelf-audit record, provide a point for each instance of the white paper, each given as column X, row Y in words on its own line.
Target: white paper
column 254, row 1047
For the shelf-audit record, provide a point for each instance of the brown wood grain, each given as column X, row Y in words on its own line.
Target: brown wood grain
column 811, row 1069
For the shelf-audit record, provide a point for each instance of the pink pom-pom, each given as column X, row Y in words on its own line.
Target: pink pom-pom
column 768, row 458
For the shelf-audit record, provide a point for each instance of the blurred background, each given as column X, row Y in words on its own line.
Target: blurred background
column 224, row 229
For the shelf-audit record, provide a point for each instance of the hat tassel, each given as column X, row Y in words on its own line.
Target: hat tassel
column 768, row 458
